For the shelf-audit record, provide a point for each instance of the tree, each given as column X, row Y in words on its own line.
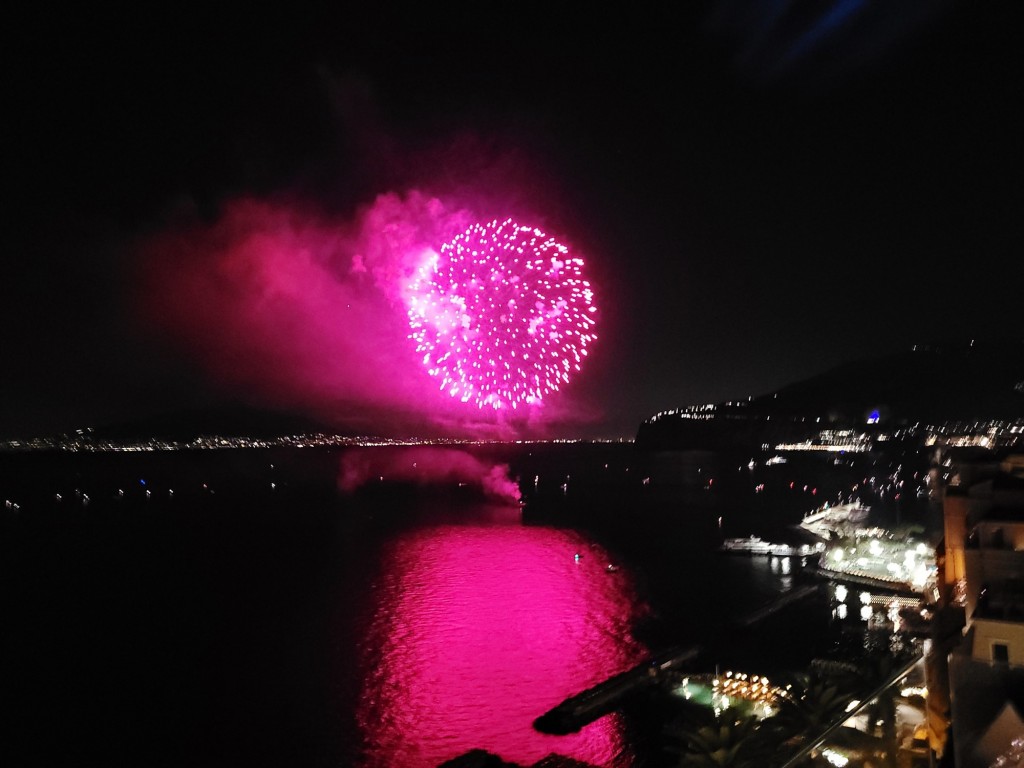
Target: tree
column 732, row 740
column 811, row 707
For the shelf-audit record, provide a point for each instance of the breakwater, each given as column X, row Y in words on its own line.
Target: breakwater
column 586, row 706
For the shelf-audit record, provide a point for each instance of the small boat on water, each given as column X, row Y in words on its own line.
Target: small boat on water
column 754, row 545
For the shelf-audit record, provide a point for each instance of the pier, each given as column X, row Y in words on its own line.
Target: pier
column 895, row 586
column 586, row 706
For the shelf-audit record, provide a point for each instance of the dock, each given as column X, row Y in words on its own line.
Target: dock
column 865, row 580
column 586, row 706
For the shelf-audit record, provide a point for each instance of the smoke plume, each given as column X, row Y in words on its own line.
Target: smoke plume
column 426, row 466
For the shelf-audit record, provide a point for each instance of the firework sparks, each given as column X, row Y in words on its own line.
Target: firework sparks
column 502, row 315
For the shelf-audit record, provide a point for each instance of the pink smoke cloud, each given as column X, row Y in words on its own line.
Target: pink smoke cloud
column 429, row 467
column 288, row 307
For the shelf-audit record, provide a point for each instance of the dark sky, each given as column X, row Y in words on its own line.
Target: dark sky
column 761, row 190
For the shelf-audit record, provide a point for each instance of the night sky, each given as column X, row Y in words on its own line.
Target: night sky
column 760, row 191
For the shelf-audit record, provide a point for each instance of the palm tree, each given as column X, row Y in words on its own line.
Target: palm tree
column 732, row 740
column 813, row 705
column 821, row 700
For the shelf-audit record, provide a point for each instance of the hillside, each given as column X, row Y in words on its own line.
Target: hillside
column 979, row 382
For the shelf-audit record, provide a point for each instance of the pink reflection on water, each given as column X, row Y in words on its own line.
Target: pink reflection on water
column 478, row 631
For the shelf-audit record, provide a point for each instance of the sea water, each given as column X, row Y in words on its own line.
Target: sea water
column 258, row 616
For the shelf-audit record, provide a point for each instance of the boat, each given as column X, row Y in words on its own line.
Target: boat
column 827, row 519
column 754, row 545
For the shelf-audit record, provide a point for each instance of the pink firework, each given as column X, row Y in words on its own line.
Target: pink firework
column 502, row 315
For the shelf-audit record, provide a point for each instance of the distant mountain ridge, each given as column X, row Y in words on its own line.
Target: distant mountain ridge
column 224, row 421
column 984, row 381
column 926, row 384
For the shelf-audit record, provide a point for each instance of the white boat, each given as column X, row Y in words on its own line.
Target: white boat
column 754, row 545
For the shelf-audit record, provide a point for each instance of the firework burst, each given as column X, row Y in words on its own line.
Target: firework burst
column 502, row 315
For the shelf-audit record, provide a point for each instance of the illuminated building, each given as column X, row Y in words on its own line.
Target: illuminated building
column 984, row 526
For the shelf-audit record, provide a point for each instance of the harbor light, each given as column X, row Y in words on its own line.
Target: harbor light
column 920, row 577
column 834, row 758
